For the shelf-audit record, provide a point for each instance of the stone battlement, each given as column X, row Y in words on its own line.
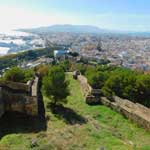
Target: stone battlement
column 19, row 97
column 133, row 111
column 84, row 85
column 15, row 86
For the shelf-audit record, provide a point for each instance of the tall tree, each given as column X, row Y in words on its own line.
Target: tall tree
column 55, row 85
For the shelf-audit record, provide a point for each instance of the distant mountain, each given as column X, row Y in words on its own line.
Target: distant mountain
column 82, row 29
column 66, row 28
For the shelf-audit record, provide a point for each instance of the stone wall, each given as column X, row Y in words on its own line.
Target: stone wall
column 19, row 97
column 133, row 111
column 86, row 88
column 19, row 87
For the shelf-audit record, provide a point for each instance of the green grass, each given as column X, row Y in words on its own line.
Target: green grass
column 82, row 128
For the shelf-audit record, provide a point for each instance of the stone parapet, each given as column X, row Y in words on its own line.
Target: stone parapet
column 19, row 97
column 86, row 88
column 15, row 86
column 133, row 111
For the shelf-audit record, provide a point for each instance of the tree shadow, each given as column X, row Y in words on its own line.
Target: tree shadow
column 67, row 114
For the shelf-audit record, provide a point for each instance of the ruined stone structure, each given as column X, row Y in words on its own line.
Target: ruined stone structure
column 19, row 97
column 86, row 88
column 133, row 111
column 92, row 96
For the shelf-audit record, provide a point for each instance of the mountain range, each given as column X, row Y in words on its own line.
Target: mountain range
column 66, row 28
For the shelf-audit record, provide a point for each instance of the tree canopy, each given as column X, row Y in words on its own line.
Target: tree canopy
column 17, row 74
column 122, row 82
column 55, row 85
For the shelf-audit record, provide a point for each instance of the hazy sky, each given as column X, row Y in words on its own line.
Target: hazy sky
column 108, row 14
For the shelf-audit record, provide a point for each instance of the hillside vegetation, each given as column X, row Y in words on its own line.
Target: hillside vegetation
column 77, row 126
column 125, row 83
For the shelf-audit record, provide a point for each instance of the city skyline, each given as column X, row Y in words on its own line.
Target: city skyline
column 123, row 15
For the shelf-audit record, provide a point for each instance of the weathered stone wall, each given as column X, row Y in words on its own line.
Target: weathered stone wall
column 19, row 102
column 86, row 88
column 92, row 96
column 15, row 86
column 133, row 111
column 34, row 87
column 19, row 97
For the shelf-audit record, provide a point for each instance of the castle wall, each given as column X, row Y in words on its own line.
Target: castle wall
column 86, row 88
column 133, row 111
column 15, row 86
column 19, row 102
column 19, row 97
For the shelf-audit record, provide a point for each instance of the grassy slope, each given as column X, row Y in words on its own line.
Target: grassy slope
column 83, row 127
